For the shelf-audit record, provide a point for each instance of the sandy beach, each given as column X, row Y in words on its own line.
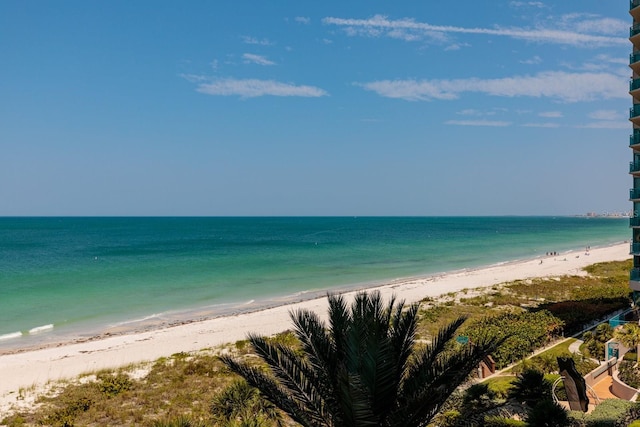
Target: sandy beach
column 34, row 368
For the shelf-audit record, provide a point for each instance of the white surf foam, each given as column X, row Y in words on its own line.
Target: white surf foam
column 10, row 336
column 39, row 329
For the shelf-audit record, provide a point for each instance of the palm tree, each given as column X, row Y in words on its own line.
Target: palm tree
column 363, row 369
column 629, row 335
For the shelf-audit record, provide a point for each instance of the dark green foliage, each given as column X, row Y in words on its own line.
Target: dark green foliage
column 241, row 403
column 524, row 332
column 629, row 373
column 113, row 385
column 547, row 413
column 576, row 313
column 609, row 413
column 631, row 417
column 595, row 340
column 479, row 396
column 66, row 415
column 362, row 368
column 530, row 387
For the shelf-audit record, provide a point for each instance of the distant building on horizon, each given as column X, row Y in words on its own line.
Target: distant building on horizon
column 634, row 143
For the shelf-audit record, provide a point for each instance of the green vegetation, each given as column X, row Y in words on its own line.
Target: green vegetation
column 362, row 368
column 182, row 390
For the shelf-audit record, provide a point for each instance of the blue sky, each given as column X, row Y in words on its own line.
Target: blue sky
column 473, row 107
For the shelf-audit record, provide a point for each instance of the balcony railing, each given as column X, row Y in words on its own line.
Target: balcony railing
column 634, row 3
column 634, row 57
column 634, row 138
column 634, row 111
column 634, row 193
column 634, row 84
column 635, row 248
column 634, row 167
column 634, row 222
column 634, row 29
column 634, row 274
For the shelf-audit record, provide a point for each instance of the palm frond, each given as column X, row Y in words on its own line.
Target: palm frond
column 275, row 393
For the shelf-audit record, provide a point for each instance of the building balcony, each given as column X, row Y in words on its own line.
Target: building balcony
column 634, row 274
column 634, row 10
column 634, row 30
column 635, row 248
column 634, row 57
column 634, row 167
column 634, row 222
column 634, row 194
column 634, row 112
column 634, row 85
column 634, row 138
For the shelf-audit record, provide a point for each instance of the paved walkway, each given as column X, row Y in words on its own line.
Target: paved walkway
column 603, row 389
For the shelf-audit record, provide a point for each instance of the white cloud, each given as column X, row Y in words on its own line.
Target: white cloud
column 474, row 112
column 538, row 4
column 541, row 125
column 250, row 58
column 532, row 61
column 606, row 125
column 563, row 86
column 253, row 40
column 551, row 114
column 477, row 123
column 251, row 88
column 409, row 29
column 302, row 19
column 606, row 115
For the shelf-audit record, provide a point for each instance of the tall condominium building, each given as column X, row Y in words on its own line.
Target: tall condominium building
column 634, row 143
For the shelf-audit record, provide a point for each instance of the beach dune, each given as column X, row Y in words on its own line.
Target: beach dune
column 37, row 367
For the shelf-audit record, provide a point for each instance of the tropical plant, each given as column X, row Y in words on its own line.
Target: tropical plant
column 530, row 387
column 547, row 413
column 363, row 368
column 594, row 340
column 629, row 335
column 242, row 404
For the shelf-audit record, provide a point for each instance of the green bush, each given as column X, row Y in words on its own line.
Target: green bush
column 113, row 385
column 547, row 413
column 495, row 421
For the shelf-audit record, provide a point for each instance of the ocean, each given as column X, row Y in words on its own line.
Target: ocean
column 73, row 278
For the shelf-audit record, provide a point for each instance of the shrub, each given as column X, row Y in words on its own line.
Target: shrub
column 113, row 385
column 547, row 413
column 629, row 373
column 495, row 421
column 530, row 387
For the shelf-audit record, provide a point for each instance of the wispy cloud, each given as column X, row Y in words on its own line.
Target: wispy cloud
column 474, row 112
column 606, row 115
column 541, row 125
column 408, row 29
column 532, row 61
column 477, row 123
column 250, row 58
column 537, row 4
column 302, row 20
column 562, row 86
column 551, row 114
column 252, row 88
column 253, row 40
column 606, row 125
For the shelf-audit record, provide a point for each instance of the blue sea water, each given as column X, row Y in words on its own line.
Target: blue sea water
column 70, row 278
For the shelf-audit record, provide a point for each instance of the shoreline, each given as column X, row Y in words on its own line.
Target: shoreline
column 25, row 368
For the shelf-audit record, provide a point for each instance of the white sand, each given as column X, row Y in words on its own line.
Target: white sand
column 34, row 368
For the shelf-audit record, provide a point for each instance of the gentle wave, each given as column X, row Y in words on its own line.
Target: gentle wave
column 40, row 329
column 142, row 319
column 10, row 336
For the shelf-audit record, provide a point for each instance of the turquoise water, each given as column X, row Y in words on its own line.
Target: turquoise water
column 85, row 275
